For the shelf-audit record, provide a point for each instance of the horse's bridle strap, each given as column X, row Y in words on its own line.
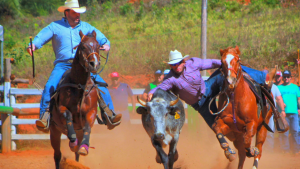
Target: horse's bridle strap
column 92, row 54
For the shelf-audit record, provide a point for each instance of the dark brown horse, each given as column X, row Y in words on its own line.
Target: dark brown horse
column 238, row 119
column 74, row 106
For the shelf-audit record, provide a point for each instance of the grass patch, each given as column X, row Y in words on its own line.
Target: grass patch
column 142, row 35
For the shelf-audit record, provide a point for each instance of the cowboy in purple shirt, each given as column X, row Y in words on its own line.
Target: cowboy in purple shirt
column 186, row 81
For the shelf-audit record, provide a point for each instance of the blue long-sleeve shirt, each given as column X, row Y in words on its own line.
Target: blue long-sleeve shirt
column 65, row 38
column 189, row 85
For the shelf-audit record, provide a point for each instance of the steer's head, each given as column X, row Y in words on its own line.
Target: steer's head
column 158, row 112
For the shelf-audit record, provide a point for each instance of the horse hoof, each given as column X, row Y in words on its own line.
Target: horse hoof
column 83, row 150
column 231, row 157
column 230, row 154
column 252, row 152
column 73, row 145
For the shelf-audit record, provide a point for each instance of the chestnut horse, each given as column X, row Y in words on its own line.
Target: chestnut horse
column 74, row 107
column 238, row 117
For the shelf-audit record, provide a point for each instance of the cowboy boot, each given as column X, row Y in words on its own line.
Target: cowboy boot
column 270, row 77
column 43, row 123
column 111, row 119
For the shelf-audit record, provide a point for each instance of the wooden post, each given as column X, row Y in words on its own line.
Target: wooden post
column 6, row 118
column 203, row 31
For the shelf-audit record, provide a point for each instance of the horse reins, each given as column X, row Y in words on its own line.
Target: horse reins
column 238, row 77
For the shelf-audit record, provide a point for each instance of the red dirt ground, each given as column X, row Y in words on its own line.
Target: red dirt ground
column 129, row 147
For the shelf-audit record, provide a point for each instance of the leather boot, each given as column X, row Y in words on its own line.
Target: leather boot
column 43, row 123
column 270, row 77
column 113, row 120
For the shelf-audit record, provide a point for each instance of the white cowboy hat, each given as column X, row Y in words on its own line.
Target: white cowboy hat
column 72, row 4
column 175, row 57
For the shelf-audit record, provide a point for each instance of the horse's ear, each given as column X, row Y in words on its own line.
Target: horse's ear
column 237, row 50
column 81, row 34
column 94, row 33
column 221, row 52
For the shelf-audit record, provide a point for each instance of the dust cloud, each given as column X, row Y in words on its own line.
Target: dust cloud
column 129, row 147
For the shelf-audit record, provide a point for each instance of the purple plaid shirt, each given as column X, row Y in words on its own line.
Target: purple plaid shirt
column 189, row 85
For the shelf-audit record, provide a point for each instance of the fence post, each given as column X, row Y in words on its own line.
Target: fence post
column 6, row 118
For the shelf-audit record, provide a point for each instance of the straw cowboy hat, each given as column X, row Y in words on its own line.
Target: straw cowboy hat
column 175, row 57
column 72, row 4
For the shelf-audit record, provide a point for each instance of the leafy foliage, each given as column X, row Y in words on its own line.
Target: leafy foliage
column 142, row 34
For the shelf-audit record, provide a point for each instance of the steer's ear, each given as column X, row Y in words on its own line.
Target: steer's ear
column 141, row 110
column 174, row 110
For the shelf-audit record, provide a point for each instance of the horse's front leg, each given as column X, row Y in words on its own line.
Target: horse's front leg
column 73, row 144
column 220, row 128
column 84, row 146
column 251, row 129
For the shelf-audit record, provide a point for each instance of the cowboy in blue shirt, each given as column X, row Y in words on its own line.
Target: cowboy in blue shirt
column 65, row 36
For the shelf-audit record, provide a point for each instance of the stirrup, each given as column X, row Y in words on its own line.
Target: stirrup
column 110, row 124
column 43, row 123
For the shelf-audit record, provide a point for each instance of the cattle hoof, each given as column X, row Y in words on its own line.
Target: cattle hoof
column 73, row 145
column 176, row 156
column 230, row 154
column 158, row 159
column 83, row 150
column 252, row 152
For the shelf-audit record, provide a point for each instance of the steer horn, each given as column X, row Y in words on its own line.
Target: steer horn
column 141, row 101
column 172, row 103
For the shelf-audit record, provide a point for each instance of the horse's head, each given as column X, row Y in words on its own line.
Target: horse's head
column 231, row 65
column 88, row 52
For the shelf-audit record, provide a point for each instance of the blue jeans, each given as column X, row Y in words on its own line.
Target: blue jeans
column 56, row 74
column 258, row 76
column 213, row 86
column 293, row 122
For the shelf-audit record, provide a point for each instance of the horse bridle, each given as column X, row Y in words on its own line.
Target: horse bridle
column 231, row 87
column 86, row 58
column 238, row 75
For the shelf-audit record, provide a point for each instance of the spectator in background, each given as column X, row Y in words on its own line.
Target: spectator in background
column 158, row 78
column 291, row 97
column 166, row 72
column 120, row 92
column 280, row 106
column 278, row 78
